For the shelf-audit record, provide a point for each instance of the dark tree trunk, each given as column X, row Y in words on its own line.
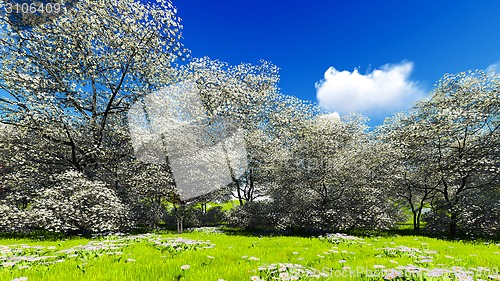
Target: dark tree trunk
column 240, row 199
column 453, row 225
column 203, row 208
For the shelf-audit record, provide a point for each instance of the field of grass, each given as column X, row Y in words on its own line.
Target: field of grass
column 210, row 255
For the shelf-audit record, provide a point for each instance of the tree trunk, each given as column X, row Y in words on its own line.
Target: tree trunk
column 415, row 222
column 180, row 225
column 179, row 215
column 453, row 224
column 240, row 199
column 419, row 215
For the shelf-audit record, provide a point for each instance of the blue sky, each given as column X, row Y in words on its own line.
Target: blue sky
column 399, row 48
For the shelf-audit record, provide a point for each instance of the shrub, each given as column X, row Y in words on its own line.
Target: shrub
column 478, row 214
column 148, row 215
column 253, row 215
column 12, row 219
column 76, row 204
column 214, row 216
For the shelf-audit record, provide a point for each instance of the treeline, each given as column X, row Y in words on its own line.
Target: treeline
column 67, row 161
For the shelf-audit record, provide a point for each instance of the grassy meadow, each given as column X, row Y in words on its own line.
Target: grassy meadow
column 212, row 255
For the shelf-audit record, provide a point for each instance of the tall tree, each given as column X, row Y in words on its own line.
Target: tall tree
column 67, row 78
column 330, row 179
column 68, row 81
column 455, row 138
column 404, row 165
column 248, row 95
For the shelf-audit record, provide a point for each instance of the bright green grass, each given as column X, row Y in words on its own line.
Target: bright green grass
column 229, row 205
column 225, row 260
column 226, row 206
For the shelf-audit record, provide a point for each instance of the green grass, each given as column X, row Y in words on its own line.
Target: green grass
column 226, row 206
column 233, row 257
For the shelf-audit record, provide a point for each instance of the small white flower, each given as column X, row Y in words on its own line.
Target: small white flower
column 284, row 275
column 24, row 266
column 185, row 267
column 8, row 264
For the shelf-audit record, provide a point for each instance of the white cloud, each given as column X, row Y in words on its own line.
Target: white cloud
column 378, row 93
column 493, row 68
column 335, row 116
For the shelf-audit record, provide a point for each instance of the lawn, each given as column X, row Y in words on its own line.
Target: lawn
column 210, row 255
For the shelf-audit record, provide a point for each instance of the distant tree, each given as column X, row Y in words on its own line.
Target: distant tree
column 150, row 190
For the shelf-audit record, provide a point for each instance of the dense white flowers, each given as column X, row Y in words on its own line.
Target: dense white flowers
column 76, row 203
column 446, row 151
column 66, row 90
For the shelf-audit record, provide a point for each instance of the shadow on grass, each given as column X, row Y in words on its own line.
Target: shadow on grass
column 38, row 235
column 359, row 233
column 42, row 235
column 423, row 233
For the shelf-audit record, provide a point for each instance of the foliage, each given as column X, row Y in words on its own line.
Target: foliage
column 327, row 180
column 78, row 204
column 67, row 84
column 67, row 158
column 450, row 150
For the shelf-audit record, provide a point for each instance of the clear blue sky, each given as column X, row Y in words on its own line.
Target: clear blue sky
column 305, row 38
